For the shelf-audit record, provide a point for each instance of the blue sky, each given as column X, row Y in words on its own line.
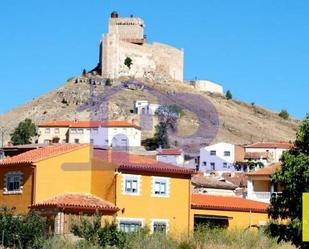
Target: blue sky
column 259, row 48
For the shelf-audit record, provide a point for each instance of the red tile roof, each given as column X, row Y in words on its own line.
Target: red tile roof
column 41, row 153
column 211, row 202
column 170, row 152
column 89, row 124
column 271, row 145
column 267, row 171
column 134, row 163
column 77, row 201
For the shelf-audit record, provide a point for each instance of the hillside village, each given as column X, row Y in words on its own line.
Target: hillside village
column 89, row 154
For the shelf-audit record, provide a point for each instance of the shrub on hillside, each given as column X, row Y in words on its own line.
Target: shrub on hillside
column 284, row 114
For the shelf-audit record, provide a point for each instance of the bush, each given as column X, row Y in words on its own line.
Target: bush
column 108, row 82
column 91, row 231
column 284, row 114
column 229, row 95
column 22, row 231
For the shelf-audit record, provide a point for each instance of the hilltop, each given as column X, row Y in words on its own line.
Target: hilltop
column 81, row 98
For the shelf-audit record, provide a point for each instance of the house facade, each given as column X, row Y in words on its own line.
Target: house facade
column 267, row 152
column 122, row 134
column 220, row 157
column 64, row 180
column 145, row 108
column 259, row 186
column 117, row 184
column 173, row 156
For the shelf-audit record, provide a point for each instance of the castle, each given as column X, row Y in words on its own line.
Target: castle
column 125, row 39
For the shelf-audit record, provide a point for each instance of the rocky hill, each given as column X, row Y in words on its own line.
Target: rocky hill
column 208, row 118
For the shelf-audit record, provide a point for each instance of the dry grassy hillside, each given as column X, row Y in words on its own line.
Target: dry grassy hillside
column 238, row 122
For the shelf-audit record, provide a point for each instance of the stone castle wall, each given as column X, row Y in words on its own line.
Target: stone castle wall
column 148, row 59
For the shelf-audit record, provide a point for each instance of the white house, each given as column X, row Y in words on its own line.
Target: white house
column 100, row 133
column 267, row 152
column 144, row 107
column 259, row 186
column 172, row 156
column 207, row 86
column 220, row 157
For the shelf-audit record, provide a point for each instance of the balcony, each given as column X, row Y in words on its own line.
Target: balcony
column 259, row 196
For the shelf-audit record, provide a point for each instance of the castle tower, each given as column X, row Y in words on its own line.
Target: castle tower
column 125, row 38
column 129, row 29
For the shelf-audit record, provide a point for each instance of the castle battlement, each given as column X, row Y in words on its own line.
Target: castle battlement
column 126, row 38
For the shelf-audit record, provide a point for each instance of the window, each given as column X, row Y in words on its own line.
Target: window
column 94, row 130
column 130, row 226
column 64, row 141
column 204, row 163
column 160, row 186
column 159, row 226
column 47, row 130
column 57, row 131
column 46, row 141
column 224, row 165
column 227, row 153
column 76, row 140
column 80, row 131
column 73, row 131
column 91, row 140
column 131, row 184
column 213, row 152
column 212, row 166
column 13, row 182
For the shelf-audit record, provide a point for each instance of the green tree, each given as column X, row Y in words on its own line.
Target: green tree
column 24, row 132
column 294, row 178
column 284, row 114
column 128, row 62
column 229, row 95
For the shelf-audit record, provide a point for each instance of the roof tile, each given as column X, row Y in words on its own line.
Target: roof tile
column 76, row 201
column 41, row 153
column 267, row 171
column 131, row 162
column 211, row 202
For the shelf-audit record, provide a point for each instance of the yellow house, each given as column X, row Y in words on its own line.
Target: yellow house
column 67, row 179
column 227, row 212
column 147, row 192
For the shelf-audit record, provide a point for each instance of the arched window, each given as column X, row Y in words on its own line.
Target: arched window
column 13, row 182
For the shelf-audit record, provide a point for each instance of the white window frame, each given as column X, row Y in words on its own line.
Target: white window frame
column 9, row 174
column 225, row 165
column 47, row 130
column 56, row 130
column 213, row 153
column 73, row 131
column 130, row 220
column 136, row 178
column 165, row 221
column 227, row 152
column 80, row 131
column 165, row 180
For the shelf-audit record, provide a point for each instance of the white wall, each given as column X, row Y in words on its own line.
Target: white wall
column 208, row 86
column 219, row 159
column 173, row 159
